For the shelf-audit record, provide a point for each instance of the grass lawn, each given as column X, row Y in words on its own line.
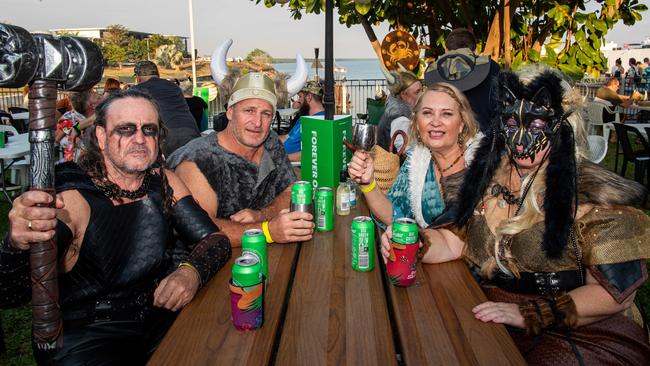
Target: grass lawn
column 17, row 322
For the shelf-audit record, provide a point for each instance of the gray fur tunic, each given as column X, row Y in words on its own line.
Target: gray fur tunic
column 238, row 182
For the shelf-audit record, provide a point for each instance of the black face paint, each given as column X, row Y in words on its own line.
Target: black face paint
column 129, row 129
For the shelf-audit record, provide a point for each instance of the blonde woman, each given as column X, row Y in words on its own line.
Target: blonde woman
column 442, row 126
column 559, row 251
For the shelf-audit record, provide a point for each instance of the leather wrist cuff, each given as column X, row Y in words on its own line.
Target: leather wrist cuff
column 210, row 255
column 190, row 221
column 559, row 312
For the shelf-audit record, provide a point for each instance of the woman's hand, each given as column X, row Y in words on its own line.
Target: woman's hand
column 500, row 312
column 361, row 167
column 386, row 239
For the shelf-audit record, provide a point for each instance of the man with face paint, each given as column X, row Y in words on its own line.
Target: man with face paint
column 242, row 176
column 123, row 274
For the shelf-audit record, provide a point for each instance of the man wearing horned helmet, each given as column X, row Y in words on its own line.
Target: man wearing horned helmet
column 242, row 176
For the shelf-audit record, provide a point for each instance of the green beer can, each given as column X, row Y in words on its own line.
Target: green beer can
column 405, row 231
column 324, row 209
column 302, row 197
column 246, row 271
column 253, row 242
column 363, row 244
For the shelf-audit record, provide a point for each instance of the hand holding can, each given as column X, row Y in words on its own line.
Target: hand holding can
column 302, row 197
column 402, row 256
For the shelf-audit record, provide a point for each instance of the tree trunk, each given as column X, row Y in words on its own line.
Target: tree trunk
column 541, row 37
column 371, row 36
column 493, row 42
column 506, row 33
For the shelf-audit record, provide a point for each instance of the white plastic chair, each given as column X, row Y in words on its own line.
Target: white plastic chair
column 597, row 148
column 595, row 118
column 20, row 168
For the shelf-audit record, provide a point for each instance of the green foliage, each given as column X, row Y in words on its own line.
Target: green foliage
column 117, row 35
column 168, row 56
column 259, row 56
column 137, row 50
column 535, row 24
column 115, row 54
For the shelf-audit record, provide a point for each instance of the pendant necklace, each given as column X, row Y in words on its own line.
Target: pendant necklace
column 435, row 163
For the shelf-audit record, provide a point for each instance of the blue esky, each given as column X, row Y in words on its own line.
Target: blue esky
column 249, row 25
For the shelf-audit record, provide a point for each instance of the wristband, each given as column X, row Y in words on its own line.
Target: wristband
column 267, row 233
column 191, row 266
column 77, row 127
column 369, row 187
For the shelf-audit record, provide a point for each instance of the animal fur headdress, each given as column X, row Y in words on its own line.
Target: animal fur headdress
column 530, row 117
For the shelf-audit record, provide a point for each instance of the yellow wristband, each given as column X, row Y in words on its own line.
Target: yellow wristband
column 369, row 187
column 267, row 233
column 191, row 266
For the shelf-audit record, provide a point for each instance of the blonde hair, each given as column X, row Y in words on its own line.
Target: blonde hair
column 531, row 210
column 470, row 125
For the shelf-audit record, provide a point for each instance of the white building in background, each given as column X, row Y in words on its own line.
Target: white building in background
column 638, row 51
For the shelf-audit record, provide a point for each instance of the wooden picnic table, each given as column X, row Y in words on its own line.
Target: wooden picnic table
column 319, row 311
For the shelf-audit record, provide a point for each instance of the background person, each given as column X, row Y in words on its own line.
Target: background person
column 442, row 127
column 173, row 108
column 196, row 104
column 312, row 105
column 473, row 74
column 110, row 86
column 405, row 89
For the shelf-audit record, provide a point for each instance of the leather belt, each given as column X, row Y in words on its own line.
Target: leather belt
column 539, row 283
column 106, row 310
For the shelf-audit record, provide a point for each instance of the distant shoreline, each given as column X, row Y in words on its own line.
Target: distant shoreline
column 293, row 60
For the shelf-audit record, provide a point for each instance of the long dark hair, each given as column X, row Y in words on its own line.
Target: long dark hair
column 91, row 159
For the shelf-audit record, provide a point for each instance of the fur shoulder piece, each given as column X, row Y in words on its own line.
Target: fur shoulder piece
column 603, row 187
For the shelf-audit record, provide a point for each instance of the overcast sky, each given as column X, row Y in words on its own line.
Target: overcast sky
column 249, row 25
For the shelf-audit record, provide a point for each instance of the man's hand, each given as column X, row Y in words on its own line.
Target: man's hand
column 500, row 312
column 247, row 216
column 29, row 223
column 290, row 227
column 177, row 289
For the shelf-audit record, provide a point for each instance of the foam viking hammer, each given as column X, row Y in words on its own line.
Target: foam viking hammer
column 46, row 63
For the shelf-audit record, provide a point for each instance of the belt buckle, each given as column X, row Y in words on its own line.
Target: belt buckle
column 103, row 310
column 548, row 283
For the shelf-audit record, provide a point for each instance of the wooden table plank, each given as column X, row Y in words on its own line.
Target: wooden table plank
column 435, row 322
column 336, row 315
column 203, row 333
column 490, row 343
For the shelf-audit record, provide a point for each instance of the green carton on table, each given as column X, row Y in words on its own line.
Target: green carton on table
column 203, row 93
column 323, row 153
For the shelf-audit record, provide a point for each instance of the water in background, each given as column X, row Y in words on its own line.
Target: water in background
column 357, row 69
